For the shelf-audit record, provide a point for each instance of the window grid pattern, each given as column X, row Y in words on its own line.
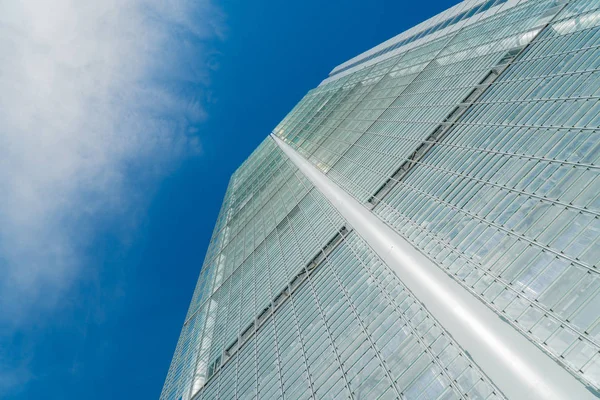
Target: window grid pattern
column 428, row 83
column 351, row 330
column 213, row 320
column 235, row 243
column 508, row 202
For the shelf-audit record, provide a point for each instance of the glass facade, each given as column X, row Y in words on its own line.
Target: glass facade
column 478, row 141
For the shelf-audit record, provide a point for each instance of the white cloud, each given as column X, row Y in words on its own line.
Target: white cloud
column 89, row 91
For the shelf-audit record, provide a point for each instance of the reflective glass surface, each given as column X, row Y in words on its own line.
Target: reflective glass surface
column 482, row 149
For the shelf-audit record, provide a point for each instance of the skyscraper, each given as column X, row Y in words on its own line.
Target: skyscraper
column 424, row 224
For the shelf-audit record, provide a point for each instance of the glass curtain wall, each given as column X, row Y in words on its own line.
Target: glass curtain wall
column 480, row 146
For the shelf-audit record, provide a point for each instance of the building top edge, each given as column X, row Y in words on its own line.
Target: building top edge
column 465, row 12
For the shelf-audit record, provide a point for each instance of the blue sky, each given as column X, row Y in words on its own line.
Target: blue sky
column 121, row 124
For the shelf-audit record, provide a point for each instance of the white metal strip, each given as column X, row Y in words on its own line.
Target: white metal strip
column 518, row 368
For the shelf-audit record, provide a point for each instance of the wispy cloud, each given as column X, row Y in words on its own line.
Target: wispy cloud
column 93, row 101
